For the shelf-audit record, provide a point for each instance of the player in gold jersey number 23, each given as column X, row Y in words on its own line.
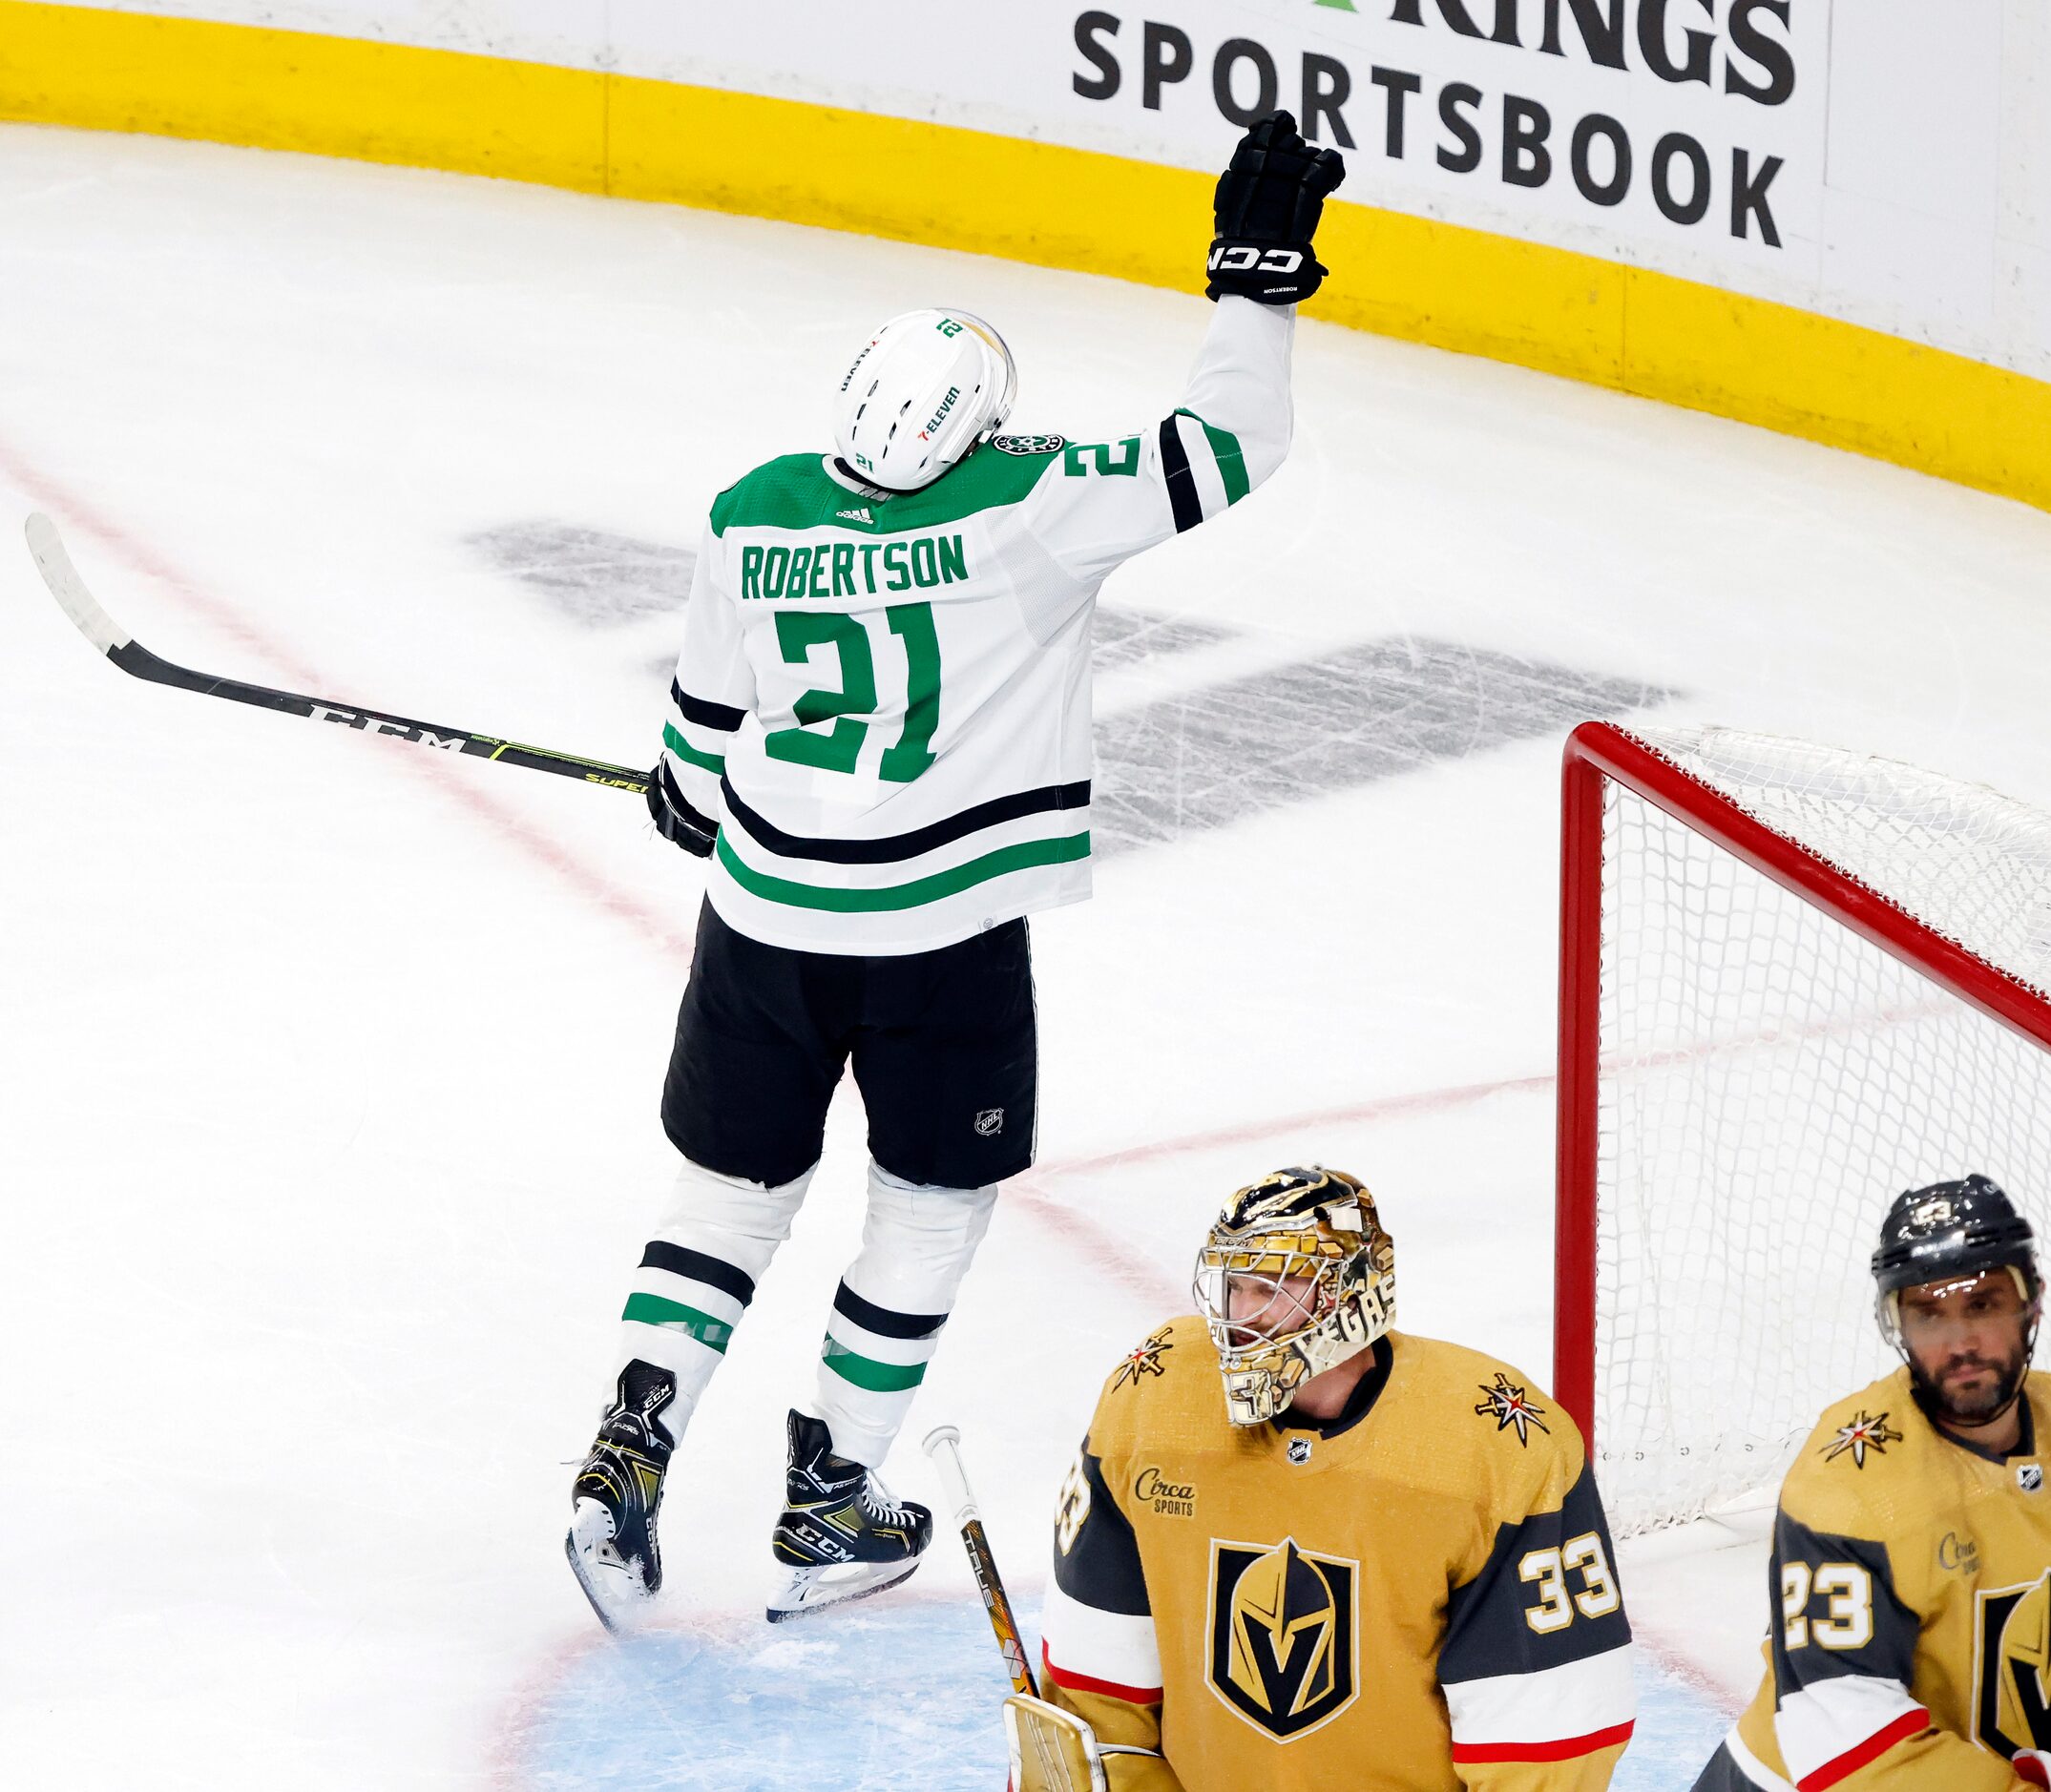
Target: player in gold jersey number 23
column 1912, row 1544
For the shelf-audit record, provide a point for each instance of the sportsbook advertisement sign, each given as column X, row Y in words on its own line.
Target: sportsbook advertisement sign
column 1883, row 161
column 1688, row 123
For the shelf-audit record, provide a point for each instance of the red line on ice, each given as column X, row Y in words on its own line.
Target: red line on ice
column 1111, row 1252
column 284, row 666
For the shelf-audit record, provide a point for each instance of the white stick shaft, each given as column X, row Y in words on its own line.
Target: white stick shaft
column 943, row 1444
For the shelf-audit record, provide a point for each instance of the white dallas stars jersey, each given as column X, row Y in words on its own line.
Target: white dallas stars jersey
column 1416, row 1598
column 1910, row 1637
column 884, row 701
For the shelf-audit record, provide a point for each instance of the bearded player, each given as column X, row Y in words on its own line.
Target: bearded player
column 1368, row 1562
column 1911, row 1642
column 880, row 737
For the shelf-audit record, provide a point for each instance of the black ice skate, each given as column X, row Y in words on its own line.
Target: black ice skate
column 612, row 1544
column 841, row 1535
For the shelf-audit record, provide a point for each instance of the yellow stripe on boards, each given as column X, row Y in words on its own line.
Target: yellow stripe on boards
column 295, row 91
column 1430, row 282
column 1835, row 383
column 1418, row 278
column 918, row 182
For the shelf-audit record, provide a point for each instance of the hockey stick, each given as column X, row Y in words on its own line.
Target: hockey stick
column 139, row 662
column 943, row 1445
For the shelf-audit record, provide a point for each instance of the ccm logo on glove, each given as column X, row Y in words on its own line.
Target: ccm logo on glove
column 1240, row 258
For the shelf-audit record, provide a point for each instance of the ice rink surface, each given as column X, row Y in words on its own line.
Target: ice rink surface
column 329, row 1066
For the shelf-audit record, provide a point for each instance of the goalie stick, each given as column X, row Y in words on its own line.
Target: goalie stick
column 139, row 662
column 943, row 1444
column 1049, row 1749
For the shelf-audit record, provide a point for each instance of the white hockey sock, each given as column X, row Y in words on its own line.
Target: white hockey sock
column 699, row 1274
column 917, row 1245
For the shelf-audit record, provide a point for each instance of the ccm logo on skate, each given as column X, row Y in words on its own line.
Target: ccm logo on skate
column 1240, row 257
column 379, row 724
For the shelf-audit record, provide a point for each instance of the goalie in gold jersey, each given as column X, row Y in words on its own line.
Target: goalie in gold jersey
column 1910, row 1649
column 1371, row 1562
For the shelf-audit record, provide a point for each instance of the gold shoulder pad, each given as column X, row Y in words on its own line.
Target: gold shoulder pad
column 1174, row 1367
column 1860, row 1471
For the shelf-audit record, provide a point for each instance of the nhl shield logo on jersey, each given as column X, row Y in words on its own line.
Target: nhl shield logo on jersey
column 1869, row 1432
column 2012, row 1668
column 1508, row 1404
column 1284, row 1642
column 1142, row 1360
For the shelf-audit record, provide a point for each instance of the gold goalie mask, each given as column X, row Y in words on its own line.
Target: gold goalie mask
column 1296, row 1276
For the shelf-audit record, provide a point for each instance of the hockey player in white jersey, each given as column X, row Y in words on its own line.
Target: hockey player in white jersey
column 879, row 736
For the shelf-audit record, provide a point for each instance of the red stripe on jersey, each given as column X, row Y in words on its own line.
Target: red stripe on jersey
column 1105, row 1689
column 1566, row 1750
column 1909, row 1723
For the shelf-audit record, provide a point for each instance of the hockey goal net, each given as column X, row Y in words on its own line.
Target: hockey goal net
column 1793, row 982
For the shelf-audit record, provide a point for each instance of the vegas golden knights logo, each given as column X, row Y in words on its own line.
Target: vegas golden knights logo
column 1283, row 1648
column 2012, row 1668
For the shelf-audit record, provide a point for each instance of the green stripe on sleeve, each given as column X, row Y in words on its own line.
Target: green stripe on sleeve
column 711, row 762
column 652, row 1309
column 879, row 1378
column 912, row 895
column 1231, row 459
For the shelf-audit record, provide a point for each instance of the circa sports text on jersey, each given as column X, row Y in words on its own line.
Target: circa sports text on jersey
column 1416, row 1600
column 883, row 697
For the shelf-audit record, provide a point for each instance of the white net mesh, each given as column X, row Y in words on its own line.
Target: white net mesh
column 1770, row 1081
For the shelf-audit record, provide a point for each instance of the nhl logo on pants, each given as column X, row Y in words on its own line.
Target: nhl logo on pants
column 989, row 1122
column 1283, row 1635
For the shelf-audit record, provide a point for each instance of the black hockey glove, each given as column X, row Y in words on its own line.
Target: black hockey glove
column 1268, row 206
column 674, row 818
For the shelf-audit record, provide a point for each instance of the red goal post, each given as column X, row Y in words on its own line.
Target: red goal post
column 1745, row 994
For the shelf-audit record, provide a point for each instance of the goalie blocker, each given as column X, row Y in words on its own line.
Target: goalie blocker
column 1053, row 1750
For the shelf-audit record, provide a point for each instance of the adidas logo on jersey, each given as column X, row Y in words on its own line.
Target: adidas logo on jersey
column 857, row 515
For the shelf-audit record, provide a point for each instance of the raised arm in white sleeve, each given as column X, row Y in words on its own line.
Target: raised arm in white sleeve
column 1110, row 500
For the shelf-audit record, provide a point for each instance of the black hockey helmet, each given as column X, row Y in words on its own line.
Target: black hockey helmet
column 1948, row 1231
column 1952, row 1231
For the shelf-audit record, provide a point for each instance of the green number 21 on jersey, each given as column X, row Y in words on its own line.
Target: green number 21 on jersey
column 852, row 706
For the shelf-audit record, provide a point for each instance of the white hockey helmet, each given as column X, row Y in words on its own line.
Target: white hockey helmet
column 925, row 390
